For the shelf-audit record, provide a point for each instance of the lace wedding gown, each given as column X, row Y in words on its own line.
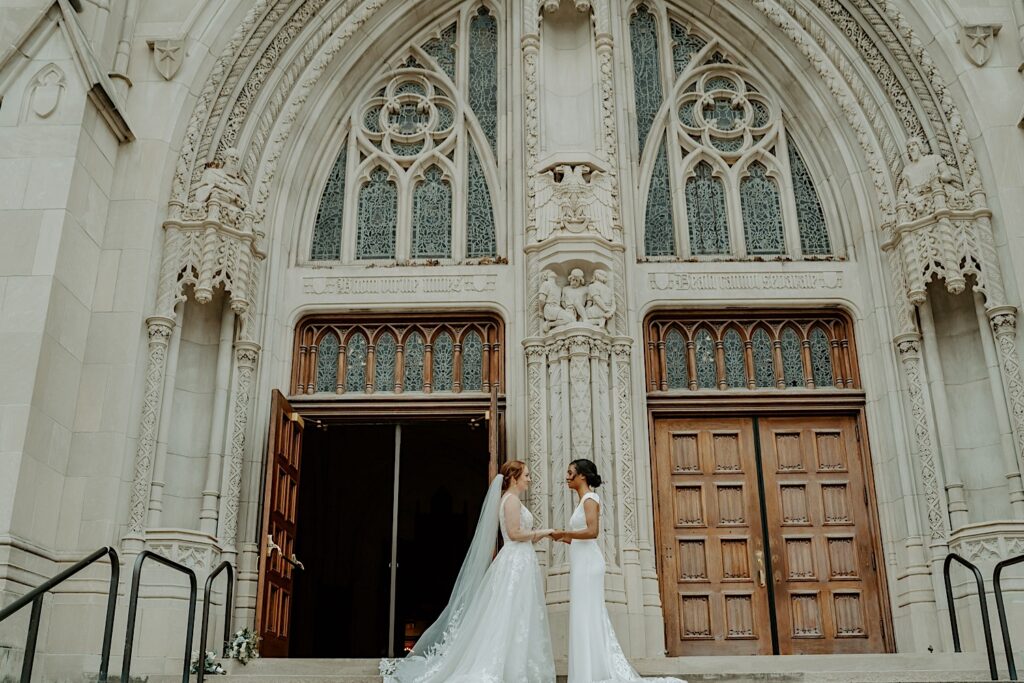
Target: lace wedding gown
column 594, row 652
column 497, row 630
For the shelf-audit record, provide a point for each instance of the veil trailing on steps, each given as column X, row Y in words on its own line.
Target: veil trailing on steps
column 481, row 551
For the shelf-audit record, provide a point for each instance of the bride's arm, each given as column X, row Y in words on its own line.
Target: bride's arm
column 513, row 523
column 592, row 510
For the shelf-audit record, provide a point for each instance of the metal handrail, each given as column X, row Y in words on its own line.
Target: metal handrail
column 133, row 606
column 204, row 627
column 997, row 576
column 986, row 626
column 35, row 596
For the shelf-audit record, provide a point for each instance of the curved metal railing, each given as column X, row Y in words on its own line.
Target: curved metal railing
column 980, row 581
column 997, row 576
column 133, row 607
column 205, row 626
column 36, row 595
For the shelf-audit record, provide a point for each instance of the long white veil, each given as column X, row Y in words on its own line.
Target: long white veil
column 474, row 567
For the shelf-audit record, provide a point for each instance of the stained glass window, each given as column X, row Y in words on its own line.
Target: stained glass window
column 684, row 46
column 384, row 356
column 811, row 219
column 821, row 359
column 792, row 359
column 327, row 364
column 355, row 364
column 764, row 359
column 707, row 368
column 432, row 216
column 675, row 360
column 483, row 72
column 706, row 213
column 327, row 228
column 442, row 49
column 480, row 234
column 643, row 40
column 472, row 362
column 378, row 217
column 413, row 358
column 762, row 212
column 659, row 234
column 735, row 361
column 443, row 363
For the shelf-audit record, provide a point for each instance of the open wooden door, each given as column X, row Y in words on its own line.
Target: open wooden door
column 277, row 541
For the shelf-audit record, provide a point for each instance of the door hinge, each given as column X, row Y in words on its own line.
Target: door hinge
column 295, row 417
column 856, row 430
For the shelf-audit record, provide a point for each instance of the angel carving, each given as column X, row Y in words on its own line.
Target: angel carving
column 568, row 200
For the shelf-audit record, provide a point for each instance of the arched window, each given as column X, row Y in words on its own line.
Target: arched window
column 418, row 171
column 735, row 360
column 764, row 359
column 792, row 358
column 693, row 128
column 821, row 359
column 675, row 360
column 384, row 356
column 707, row 367
column 414, row 353
column 472, row 362
column 443, row 363
column 355, row 363
column 327, row 363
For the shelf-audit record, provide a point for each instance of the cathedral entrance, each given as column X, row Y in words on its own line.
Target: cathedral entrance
column 385, row 513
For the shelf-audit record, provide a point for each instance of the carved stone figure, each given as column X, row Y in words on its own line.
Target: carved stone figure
column 550, row 298
column 575, row 296
column 567, row 200
column 223, row 185
column 601, row 299
column 926, row 184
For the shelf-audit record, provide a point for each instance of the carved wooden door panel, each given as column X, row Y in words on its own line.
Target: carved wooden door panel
column 825, row 574
column 712, row 555
column 277, row 541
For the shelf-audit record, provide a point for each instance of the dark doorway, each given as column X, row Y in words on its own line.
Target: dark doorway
column 343, row 602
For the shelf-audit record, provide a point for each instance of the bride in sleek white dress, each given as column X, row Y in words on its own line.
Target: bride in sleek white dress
column 495, row 627
column 594, row 652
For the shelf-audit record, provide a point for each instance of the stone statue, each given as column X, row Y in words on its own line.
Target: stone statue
column 601, row 299
column 550, row 299
column 575, row 296
column 224, row 185
column 926, row 182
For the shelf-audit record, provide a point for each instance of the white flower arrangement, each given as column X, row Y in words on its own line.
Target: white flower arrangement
column 210, row 663
column 244, row 646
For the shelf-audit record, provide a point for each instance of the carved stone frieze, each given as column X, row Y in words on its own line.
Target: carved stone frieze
column 197, row 551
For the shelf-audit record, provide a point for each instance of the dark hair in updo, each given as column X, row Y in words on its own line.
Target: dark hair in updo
column 589, row 471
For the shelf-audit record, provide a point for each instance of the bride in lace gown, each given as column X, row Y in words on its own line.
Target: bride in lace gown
column 495, row 628
column 594, row 652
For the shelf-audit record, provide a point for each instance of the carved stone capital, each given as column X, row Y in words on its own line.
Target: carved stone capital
column 247, row 353
column 1003, row 320
column 159, row 329
column 908, row 345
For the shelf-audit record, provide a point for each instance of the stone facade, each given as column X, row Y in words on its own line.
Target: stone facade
column 164, row 167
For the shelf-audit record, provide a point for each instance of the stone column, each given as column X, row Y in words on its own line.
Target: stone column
column 156, row 496
column 909, row 346
column 1004, row 328
column 537, row 440
column 246, row 356
column 215, row 451
column 160, row 329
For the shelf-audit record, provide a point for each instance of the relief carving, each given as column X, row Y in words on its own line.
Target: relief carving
column 575, row 199
column 576, row 302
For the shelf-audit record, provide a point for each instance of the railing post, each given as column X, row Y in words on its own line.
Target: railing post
column 30, row 640
column 108, row 624
column 990, row 649
column 997, row 578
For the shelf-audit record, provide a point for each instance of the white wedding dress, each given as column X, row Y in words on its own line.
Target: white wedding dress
column 495, row 628
column 594, row 652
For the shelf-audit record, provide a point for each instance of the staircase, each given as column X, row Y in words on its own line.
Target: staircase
column 895, row 668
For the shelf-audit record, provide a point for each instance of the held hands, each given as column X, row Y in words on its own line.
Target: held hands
column 561, row 536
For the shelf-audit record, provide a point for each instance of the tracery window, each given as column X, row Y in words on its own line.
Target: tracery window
column 417, row 175
column 748, row 351
column 720, row 175
column 416, row 353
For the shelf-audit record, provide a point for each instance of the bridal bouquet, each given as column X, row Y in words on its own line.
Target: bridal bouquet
column 210, row 664
column 244, row 646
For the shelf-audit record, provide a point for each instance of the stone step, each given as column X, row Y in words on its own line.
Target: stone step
column 890, row 668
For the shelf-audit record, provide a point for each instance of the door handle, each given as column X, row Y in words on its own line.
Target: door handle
column 761, row 575
column 273, row 547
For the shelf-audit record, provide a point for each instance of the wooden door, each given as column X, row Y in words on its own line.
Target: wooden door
column 709, row 520
column 277, row 541
column 826, row 578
